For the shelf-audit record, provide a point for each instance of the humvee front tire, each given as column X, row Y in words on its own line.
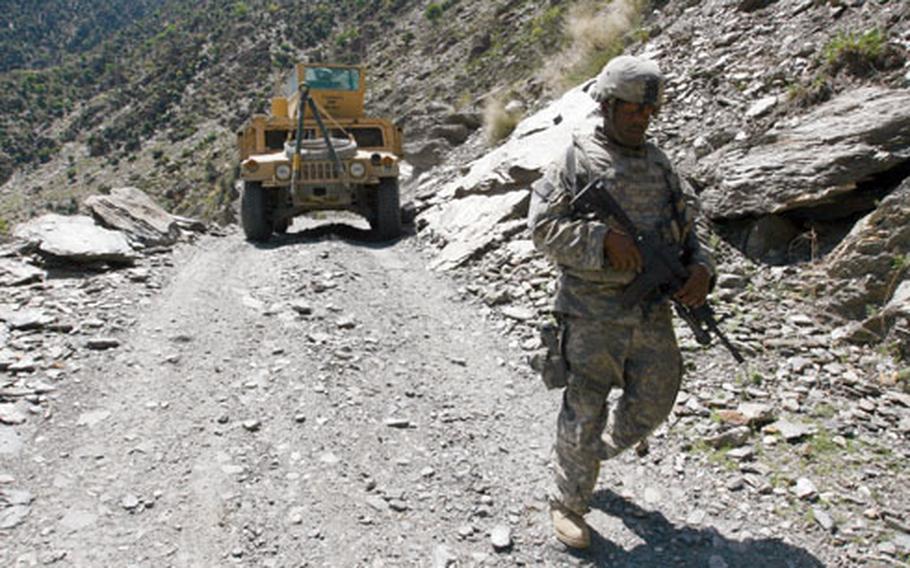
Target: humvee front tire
column 254, row 212
column 387, row 217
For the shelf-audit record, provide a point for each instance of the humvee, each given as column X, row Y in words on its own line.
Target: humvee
column 317, row 151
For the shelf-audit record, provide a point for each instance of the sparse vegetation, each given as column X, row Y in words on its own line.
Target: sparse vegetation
column 595, row 34
column 498, row 122
column 859, row 53
column 433, row 12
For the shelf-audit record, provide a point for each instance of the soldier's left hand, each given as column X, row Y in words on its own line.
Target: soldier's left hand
column 695, row 290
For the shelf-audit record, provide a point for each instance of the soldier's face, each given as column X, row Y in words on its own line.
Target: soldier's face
column 630, row 122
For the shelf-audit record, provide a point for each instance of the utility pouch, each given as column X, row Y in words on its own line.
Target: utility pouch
column 549, row 360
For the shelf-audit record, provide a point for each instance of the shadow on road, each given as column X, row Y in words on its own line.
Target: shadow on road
column 669, row 545
column 343, row 231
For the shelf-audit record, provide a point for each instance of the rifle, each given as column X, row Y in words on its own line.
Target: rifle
column 664, row 273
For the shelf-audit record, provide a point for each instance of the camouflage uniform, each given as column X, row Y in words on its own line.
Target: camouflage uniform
column 605, row 344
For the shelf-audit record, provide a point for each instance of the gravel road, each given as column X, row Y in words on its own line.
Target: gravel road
column 327, row 401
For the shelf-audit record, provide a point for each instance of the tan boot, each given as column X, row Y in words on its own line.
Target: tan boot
column 570, row 528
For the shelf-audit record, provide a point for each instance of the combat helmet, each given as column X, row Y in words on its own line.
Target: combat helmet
column 631, row 79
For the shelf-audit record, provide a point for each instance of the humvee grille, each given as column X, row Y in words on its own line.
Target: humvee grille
column 314, row 171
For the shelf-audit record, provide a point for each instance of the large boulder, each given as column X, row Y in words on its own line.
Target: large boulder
column 76, row 238
column 813, row 161
column 17, row 273
column 535, row 143
column 868, row 265
column 427, row 154
column 475, row 211
column 470, row 225
column 130, row 210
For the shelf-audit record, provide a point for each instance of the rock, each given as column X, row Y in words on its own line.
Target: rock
column 10, row 441
column 10, row 414
column 454, row 134
column 521, row 160
column 468, row 224
column 756, row 413
column 762, row 107
column 14, row 507
column 501, row 538
column 753, row 5
column 702, row 147
column 518, row 313
column 790, row 431
column 329, row 458
column 377, row 503
column 302, row 307
column 102, row 343
column 769, row 238
column 346, row 323
column 696, row 517
column 131, row 211
column 76, row 238
column 858, row 134
column 471, row 120
column 731, row 281
column 16, row 273
column 26, row 318
column 426, row 155
column 397, row 422
column 823, row 519
column 129, row 502
column 741, row 454
column 732, row 438
column 443, row 557
column 252, row 425
column 805, row 489
column 862, row 266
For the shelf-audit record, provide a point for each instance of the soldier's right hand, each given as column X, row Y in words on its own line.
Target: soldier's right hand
column 622, row 252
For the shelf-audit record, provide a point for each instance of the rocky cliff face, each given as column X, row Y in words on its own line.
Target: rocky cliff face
column 783, row 177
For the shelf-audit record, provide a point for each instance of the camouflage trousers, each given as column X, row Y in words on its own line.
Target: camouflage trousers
column 631, row 350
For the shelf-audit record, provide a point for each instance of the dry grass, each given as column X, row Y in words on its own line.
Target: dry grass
column 597, row 32
column 498, row 123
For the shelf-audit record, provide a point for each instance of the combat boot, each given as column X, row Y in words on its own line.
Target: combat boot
column 570, row 528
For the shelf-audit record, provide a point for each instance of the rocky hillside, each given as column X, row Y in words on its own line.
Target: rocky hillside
column 154, row 103
column 790, row 119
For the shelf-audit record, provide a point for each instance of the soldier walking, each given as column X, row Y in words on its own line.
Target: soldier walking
column 604, row 344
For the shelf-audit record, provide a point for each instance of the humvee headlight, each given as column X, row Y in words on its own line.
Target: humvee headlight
column 358, row 170
column 251, row 165
column 387, row 162
column 283, row 172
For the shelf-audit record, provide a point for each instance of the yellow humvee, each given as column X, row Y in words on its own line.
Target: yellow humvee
column 342, row 161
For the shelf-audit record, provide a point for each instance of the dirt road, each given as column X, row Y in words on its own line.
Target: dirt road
column 327, row 401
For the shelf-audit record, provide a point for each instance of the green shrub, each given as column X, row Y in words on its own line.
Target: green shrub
column 241, row 9
column 433, row 11
column 859, row 54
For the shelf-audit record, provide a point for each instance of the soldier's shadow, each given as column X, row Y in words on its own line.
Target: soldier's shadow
column 666, row 544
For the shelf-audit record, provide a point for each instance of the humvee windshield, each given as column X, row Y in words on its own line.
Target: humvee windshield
column 333, row 79
column 366, row 136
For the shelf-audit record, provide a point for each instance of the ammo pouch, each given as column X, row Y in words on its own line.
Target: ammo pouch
column 549, row 360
